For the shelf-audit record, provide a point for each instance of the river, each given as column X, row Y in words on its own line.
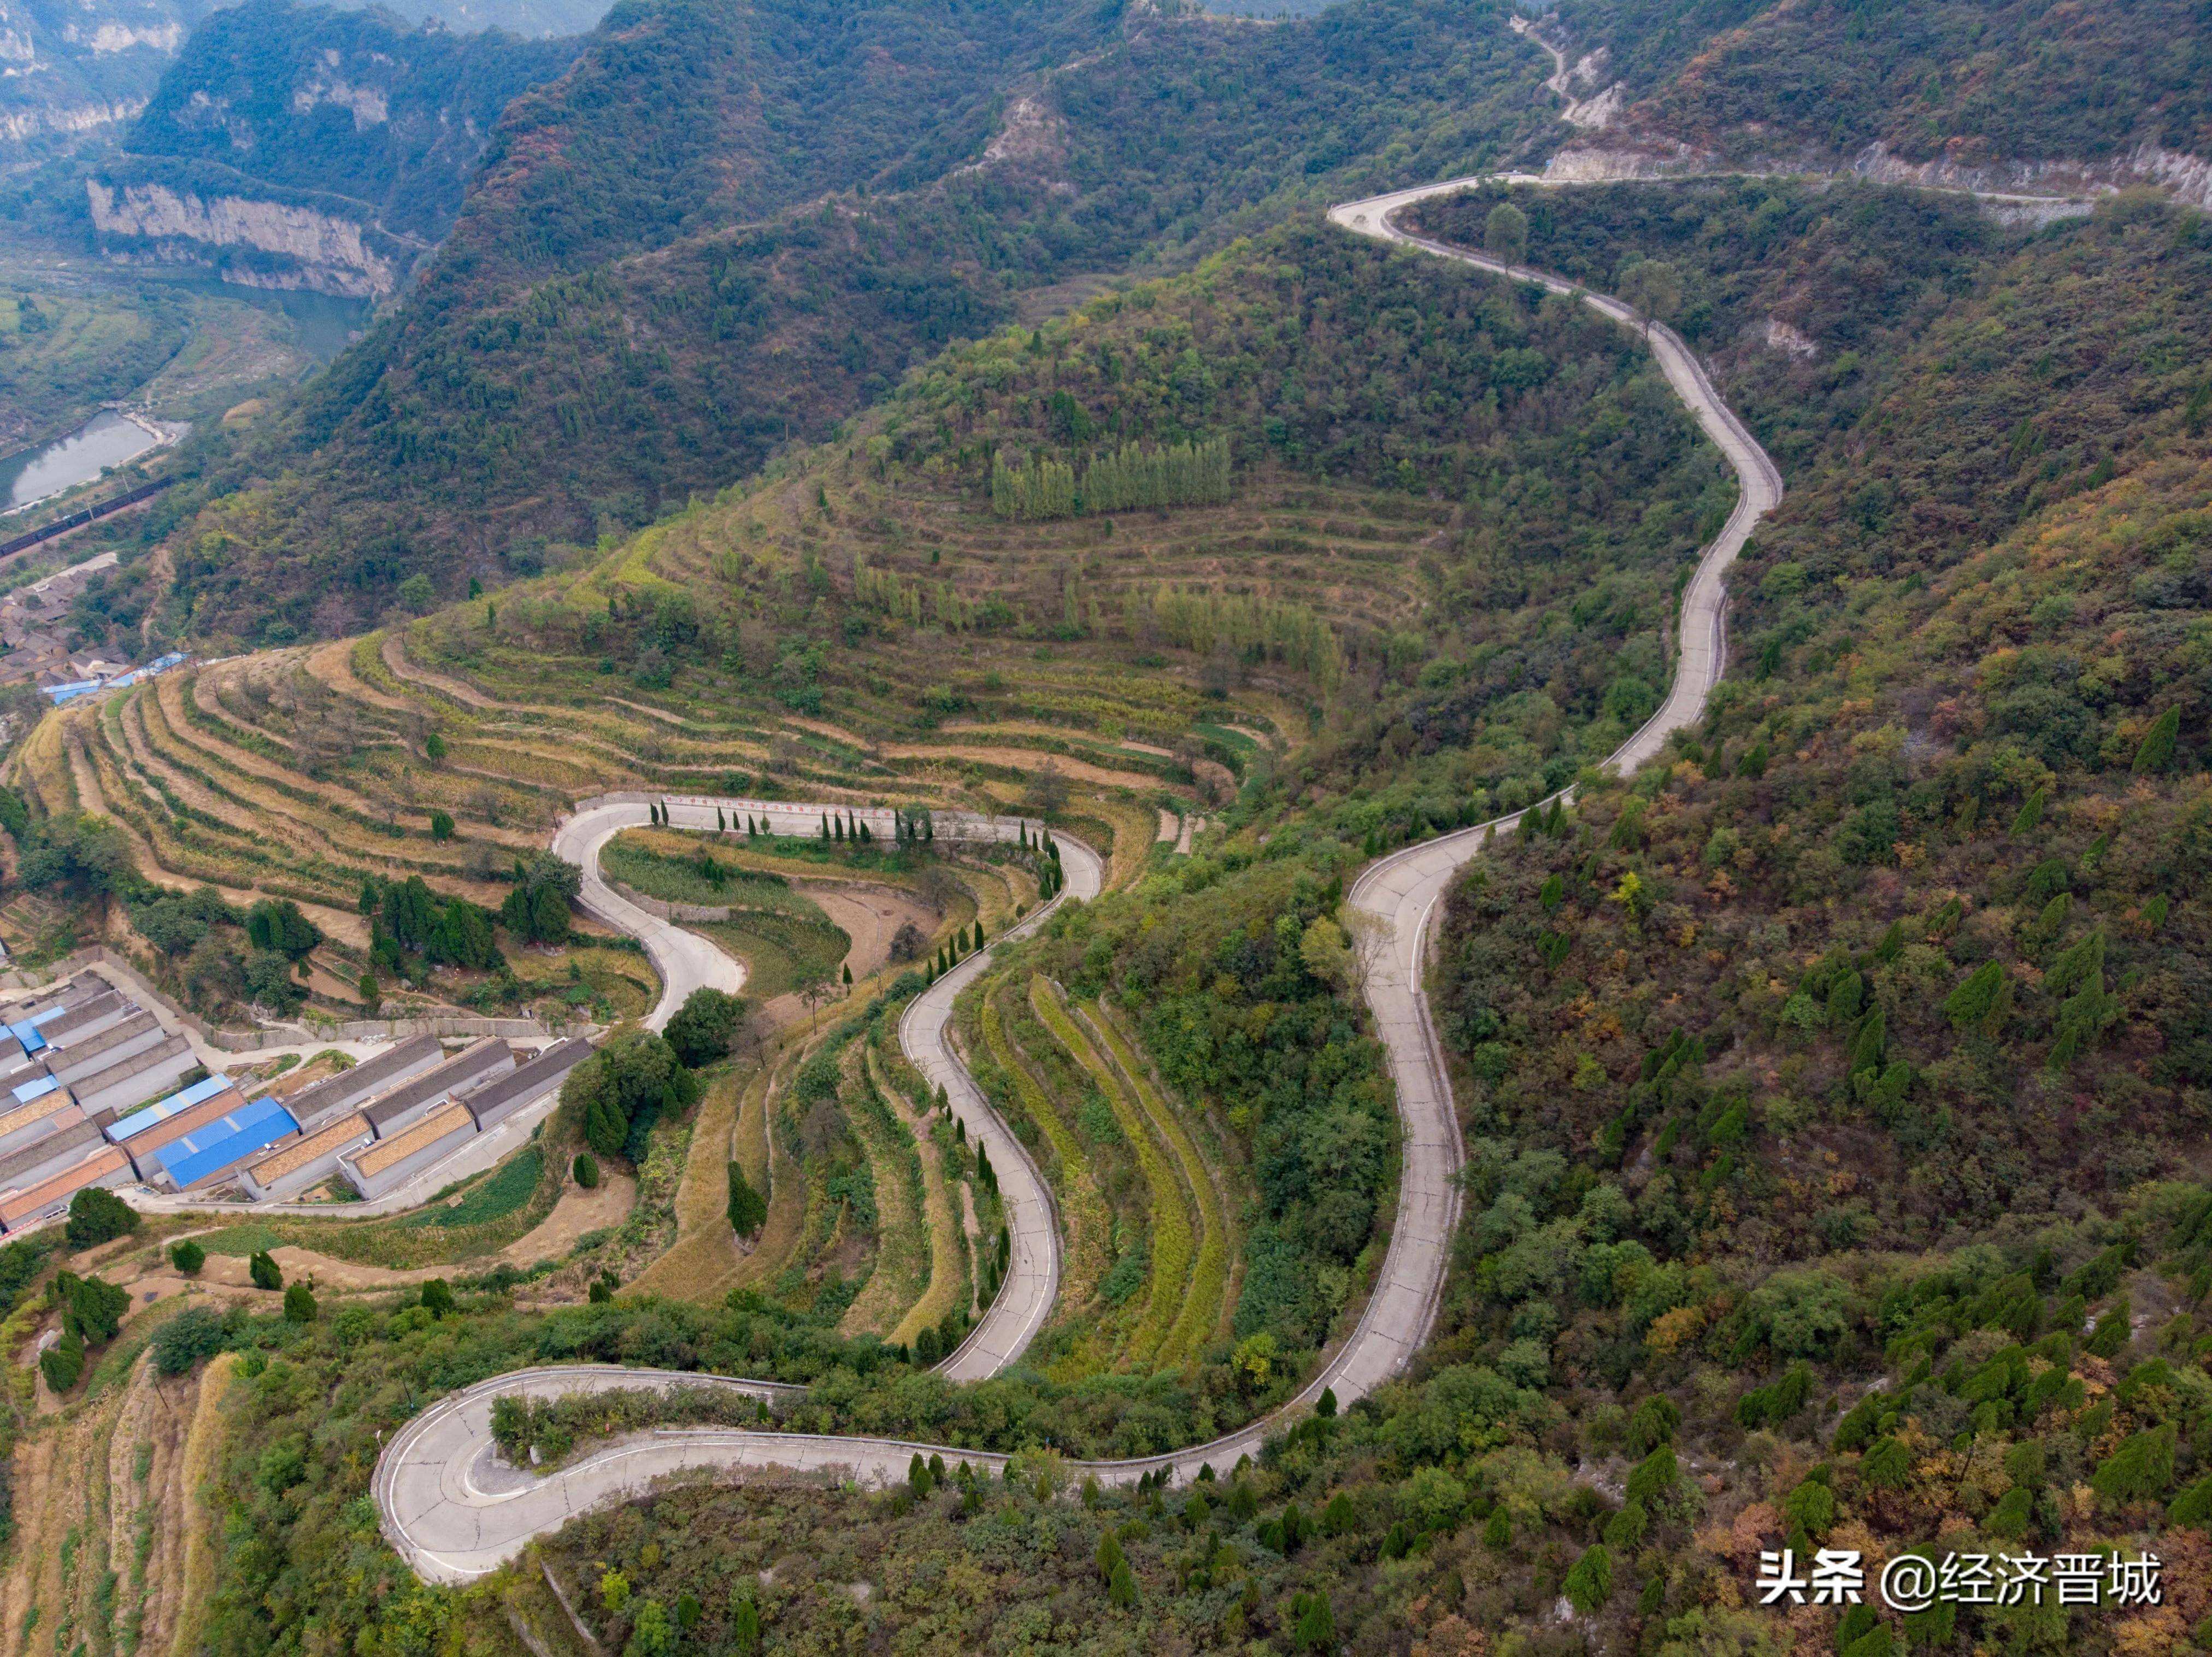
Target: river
column 106, row 439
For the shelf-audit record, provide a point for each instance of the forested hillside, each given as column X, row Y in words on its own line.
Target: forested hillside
column 1835, row 1089
column 554, row 380
column 350, row 104
column 1874, row 1022
column 961, row 406
column 1957, row 82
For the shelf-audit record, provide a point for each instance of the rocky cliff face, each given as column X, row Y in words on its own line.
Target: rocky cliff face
column 258, row 243
column 69, row 68
column 309, row 147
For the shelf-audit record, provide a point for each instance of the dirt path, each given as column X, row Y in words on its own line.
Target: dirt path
column 332, row 664
column 871, row 916
column 1024, row 759
column 393, row 651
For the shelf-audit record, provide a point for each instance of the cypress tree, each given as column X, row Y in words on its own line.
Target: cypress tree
column 2156, row 752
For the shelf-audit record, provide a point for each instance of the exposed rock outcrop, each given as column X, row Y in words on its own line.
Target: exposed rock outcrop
column 258, row 243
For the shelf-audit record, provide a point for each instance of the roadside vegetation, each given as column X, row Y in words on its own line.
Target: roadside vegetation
column 1835, row 1088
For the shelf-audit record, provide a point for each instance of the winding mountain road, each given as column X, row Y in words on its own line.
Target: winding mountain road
column 687, row 962
column 455, row 1511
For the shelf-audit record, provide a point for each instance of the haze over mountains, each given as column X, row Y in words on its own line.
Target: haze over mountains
column 71, row 71
column 2032, row 94
column 309, row 147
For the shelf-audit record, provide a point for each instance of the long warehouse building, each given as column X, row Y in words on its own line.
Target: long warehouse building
column 327, row 1099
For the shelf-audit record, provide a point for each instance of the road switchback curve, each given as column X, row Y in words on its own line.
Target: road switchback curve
column 456, row 1513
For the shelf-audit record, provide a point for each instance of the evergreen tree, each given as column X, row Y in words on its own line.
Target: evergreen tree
column 1315, row 1626
column 97, row 1216
column 2156, row 753
column 747, row 1209
column 1121, row 1590
column 63, row 1363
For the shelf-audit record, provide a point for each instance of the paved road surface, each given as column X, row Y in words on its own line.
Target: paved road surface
column 686, row 961
column 431, row 1483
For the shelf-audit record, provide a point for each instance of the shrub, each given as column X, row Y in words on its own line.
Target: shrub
column 261, row 1266
column 702, row 1028
column 299, row 1303
column 437, row 1297
column 586, row 1170
column 188, row 1257
column 195, row 1333
column 96, row 1216
column 63, row 1363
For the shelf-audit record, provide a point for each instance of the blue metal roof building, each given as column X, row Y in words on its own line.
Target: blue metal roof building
column 223, row 1143
column 38, row 1089
column 163, row 1109
column 28, row 1032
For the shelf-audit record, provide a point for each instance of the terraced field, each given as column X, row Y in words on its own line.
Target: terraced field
column 1201, row 1308
column 842, row 629
column 1087, row 1222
